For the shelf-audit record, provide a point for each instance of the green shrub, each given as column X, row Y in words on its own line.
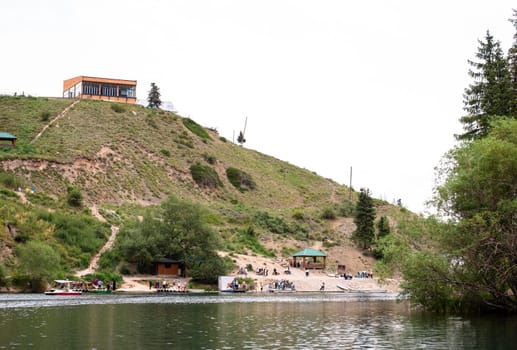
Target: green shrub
column 249, row 239
column 81, row 236
column 346, row 209
column 222, row 138
column 210, row 159
column 44, row 116
column 10, row 181
column 3, row 276
column 118, row 108
column 165, row 152
column 7, row 193
column 299, row 215
column 328, row 213
column 205, row 176
column 74, row 197
column 272, row 223
column 196, row 129
column 239, row 179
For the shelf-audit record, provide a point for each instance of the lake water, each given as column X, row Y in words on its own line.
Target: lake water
column 290, row 321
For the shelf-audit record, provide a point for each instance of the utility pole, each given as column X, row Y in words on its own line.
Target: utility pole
column 245, row 124
column 350, row 186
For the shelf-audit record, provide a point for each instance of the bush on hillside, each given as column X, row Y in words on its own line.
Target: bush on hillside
column 74, row 197
column 346, row 209
column 45, row 116
column 298, row 215
column 272, row 223
column 165, row 152
column 117, row 108
column 328, row 213
column 205, row 176
column 240, row 179
column 196, row 129
column 10, row 180
column 210, row 159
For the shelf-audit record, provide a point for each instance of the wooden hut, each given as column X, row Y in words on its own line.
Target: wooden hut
column 168, row 267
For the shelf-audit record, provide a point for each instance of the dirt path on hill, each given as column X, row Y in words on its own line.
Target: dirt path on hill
column 93, row 266
column 59, row 116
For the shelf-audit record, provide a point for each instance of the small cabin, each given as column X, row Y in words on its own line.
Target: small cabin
column 7, row 140
column 168, row 267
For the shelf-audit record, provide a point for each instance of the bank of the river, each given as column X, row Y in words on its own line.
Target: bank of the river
column 302, row 282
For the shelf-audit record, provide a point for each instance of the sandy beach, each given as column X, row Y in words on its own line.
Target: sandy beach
column 302, row 282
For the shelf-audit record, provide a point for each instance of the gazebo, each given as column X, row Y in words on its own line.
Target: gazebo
column 311, row 259
column 5, row 136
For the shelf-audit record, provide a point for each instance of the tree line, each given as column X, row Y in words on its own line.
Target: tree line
column 471, row 263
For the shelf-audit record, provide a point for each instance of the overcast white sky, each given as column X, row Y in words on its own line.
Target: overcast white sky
column 326, row 85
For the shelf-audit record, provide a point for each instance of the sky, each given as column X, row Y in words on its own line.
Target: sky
column 373, row 86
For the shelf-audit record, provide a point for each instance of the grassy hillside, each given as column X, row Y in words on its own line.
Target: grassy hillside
column 123, row 158
column 138, row 155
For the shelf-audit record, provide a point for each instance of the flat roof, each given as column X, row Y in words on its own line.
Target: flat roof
column 105, row 80
column 309, row 252
column 7, row 136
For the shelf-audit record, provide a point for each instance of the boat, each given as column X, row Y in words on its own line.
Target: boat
column 63, row 287
column 362, row 291
column 230, row 284
column 342, row 287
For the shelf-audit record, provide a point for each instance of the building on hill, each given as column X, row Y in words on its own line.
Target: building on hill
column 106, row 89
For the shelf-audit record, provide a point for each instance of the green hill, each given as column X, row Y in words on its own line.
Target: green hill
column 123, row 158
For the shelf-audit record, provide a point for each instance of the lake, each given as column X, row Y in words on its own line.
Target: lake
column 231, row 321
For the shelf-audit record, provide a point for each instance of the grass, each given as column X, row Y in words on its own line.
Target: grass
column 196, row 129
column 117, row 157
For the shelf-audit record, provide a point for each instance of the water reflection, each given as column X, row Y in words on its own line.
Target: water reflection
column 239, row 322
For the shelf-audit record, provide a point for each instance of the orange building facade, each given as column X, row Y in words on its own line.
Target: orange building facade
column 105, row 89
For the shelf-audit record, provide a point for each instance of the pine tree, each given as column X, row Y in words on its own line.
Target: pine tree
column 383, row 227
column 490, row 95
column 153, row 98
column 240, row 139
column 512, row 62
column 364, row 220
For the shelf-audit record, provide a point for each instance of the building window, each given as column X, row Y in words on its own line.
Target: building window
column 109, row 90
column 90, row 88
column 127, row 91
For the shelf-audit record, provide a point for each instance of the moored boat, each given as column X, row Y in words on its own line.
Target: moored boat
column 63, row 287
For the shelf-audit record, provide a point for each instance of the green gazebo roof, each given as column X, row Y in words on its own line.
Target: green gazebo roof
column 309, row 252
column 7, row 136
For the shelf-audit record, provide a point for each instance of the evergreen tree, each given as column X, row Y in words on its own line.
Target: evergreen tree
column 383, row 227
column 240, row 139
column 153, row 98
column 512, row 62
column 364, row 219
column 474, row 264
column 490, row 95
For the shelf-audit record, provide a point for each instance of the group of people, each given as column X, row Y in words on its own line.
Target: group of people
column 365, row 274
column 282, row 285
column 166, row 286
